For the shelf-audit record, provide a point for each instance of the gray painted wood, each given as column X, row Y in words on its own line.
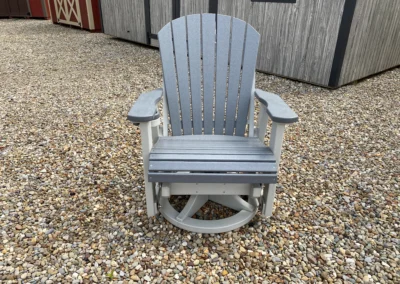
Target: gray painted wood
column 208, row 51
column 297, row 40
column 277, row 109
column 205, row 144
column 208, row 166
column 145, row 108
column 223, row 45
column 194, row 46
column 239, row 157
column 222, row 151
column 236, row 56
column 212, row 178
column 374, row 39
column 182, row 70
column 125, row 19
column 189, row 7
column 168, row 59
column 249, row 64
column 209, row 143
column 215, row 158
column 213, row 138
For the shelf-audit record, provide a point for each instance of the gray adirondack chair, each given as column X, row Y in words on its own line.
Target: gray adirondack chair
column 214, row 151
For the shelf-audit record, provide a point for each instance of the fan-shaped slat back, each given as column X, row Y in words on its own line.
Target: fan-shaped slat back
column 208, row 64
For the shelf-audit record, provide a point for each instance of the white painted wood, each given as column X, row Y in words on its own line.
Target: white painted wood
column 262, row 122
column 256, row 191
column 90, row 14
column 268, row 200
column 165, row 114
column 155, row 122
column 155, row 130
column 276, row 140
column 67, row 8
column 208, row 189
column 207, row 226
column 147, row 144
column 234, row 202
column 193, row 205
column 251, row 111
column 166, row 190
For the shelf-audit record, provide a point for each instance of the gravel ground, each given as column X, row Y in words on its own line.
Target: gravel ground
column 72, row 205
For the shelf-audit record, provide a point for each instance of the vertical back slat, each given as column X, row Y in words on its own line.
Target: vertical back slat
column 182, row 72
column 194, row 45
column 237, row 42
column 168, row 59
column 208, row 35
column 223, row 42
column 249, row 65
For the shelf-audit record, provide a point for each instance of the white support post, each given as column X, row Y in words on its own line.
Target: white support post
column 256, row 190
column 277, row 133
column 262, row 123
column 155, row 130
column 147, row 144
column 251, row 108
column 165, row 114
column 166, row 190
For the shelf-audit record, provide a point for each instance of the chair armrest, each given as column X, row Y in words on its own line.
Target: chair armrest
column 145, row 108
column 277, row 109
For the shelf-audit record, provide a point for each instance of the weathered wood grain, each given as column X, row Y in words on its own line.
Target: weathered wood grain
column 297, row 40
column 108, row 10
column 160, row 14
column 374, row 42
column 125, row 19
column 189, row 7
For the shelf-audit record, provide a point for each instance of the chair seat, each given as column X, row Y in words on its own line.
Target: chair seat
column 211, row 159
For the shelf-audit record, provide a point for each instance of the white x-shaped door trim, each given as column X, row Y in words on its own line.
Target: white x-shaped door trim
column 66, row 7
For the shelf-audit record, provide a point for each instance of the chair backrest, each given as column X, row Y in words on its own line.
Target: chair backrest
column 209, row 66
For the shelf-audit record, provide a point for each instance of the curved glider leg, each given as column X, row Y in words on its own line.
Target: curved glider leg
column 193, row 205
column 183, row 220
column 234, row 202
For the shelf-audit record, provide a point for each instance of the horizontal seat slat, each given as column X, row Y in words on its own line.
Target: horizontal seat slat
column 212, row 178
column 233, row 151
column 208, row 138
column 205, row 145
column 216, row 157
column 206, row 166
column 207, row 141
